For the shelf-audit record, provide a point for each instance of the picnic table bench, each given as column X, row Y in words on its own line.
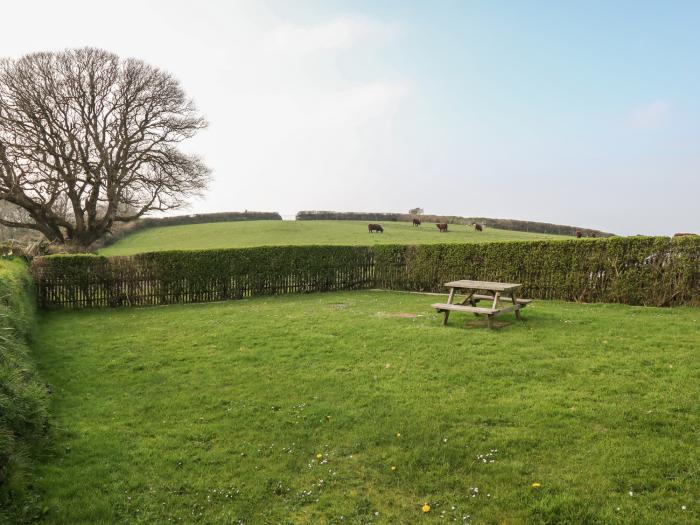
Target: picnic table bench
column 499, row 292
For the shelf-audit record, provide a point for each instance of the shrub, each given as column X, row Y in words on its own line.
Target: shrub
column 23, row 396
column 635, row 270
column 198, row 276
column 347, row 216
column 654, row 271
column 122, row 230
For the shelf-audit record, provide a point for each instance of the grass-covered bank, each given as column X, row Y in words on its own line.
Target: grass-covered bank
column 360, row 407
column 23, row 396
column 244, row 234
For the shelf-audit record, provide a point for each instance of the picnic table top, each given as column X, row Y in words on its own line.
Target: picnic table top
column 483, row 285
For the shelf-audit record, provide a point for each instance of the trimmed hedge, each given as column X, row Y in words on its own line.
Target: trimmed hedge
column 633, row 270
column 23, row 396
column 199, row 276
column 322, row 215
column 502, row 224
column 654, row 271
column 203, row 218
column 123, row 229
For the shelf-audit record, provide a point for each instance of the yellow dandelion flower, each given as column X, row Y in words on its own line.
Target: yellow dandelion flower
column 319, row 455
column 425, row 508
column 398, row 434
column 393, row 467
column 536, row 485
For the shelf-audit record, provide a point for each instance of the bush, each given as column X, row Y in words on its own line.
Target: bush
column 121, row 230
column 347, row 216
column 635, row 270
column 23, row 396
column 654, row 271
column 199, row 276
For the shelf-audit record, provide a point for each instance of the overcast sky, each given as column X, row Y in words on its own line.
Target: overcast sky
column 585, row 115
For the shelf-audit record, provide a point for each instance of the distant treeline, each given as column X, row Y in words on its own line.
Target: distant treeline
column 501, row 224
column 122, row 230
column 201, row 218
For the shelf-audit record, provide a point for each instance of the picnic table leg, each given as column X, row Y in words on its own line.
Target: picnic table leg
column 496, row 297
column 450, row 298
column 516, row 306
column 469, row 299
column 447, row 316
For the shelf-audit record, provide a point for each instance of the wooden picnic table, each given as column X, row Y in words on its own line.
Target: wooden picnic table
column 497, row 292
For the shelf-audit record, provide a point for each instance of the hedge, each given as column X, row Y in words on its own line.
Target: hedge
column 199, row 276
column 321, row 215
column 502, row 224
column 23, row 396
column 635, row 270
column 123, row 229
column 655, row 271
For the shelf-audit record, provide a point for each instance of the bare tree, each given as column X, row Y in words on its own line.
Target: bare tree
column 14, row 214
column 415, row 211
column 88, row 140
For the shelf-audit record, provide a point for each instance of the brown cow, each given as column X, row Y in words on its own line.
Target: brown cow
column 478, row 227
column 375, row 228
column 416, row 222
column 579, row 234
column 442, row 227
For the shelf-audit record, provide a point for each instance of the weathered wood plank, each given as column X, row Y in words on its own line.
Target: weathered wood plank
column 483, row 285
column 477, row 296
column 507, row 309
column 463, row 308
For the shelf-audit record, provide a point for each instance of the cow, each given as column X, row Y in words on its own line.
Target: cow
column 375, row 228
column 442, row 227
column 416, row 222
column 684, row 235
column 478, row 227
column 579, row 234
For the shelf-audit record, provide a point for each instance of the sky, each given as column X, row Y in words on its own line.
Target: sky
column 582, row 113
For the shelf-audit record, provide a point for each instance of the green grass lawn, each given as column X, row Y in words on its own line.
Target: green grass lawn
column 274, row 233
column 360, row 407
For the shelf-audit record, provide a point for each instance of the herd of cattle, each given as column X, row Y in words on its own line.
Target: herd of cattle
column 442, row 227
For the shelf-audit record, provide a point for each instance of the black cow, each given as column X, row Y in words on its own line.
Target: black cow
column 375, row 228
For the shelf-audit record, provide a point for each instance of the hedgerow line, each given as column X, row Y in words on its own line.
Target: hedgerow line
column 654, row 271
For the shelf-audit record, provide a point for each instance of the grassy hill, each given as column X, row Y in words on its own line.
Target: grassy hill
column 267, row 233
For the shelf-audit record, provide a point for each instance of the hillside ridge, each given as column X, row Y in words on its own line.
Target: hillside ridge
column 502, row 224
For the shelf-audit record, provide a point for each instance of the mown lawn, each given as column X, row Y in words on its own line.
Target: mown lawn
column 276, row 233
column 345, row 408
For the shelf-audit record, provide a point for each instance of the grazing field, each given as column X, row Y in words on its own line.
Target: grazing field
column 361, row 408
column 275, row 233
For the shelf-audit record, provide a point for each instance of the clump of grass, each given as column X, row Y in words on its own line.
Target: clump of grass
column 23, row 396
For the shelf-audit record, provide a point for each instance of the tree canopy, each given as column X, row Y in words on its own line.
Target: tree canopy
column 88, row 139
